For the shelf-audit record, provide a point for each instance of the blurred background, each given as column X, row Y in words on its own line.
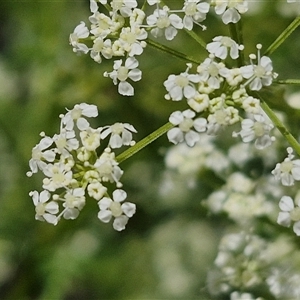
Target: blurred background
column 171, row 242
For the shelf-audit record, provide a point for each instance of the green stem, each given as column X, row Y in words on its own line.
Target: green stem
column 172, row 52
column 237, row 35
column 283, row 36
column 196, row 37
column 144, row 142
column 280, row 126
column 287, row 81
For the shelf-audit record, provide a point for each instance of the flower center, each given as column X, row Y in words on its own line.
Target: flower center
column 286, row 167
column 163, row 22
column 186, row 125
column 258, row 129
column 190, row 9
column 116, row 209
column 259, row 71
column 181, row 81
column 295, row 214
column 122, row 73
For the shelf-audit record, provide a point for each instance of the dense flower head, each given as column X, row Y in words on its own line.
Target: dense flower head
column 73, row 168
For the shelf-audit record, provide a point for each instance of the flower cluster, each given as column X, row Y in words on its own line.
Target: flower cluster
column 123, row 32
column 245, row 262
column 220, row 94
column 75, row 168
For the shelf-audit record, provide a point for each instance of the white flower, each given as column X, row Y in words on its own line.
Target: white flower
column 195, row 12
column 65, row 142
column 108, row 168
column 96, row 190
column 184, row 131
column 125, row 7
column 45, row 211
column 199, row 102
column 121, row 134
column 220, row 118
column 131, row 40
column 74, row 201
column 164, row 23
column 212, row 72
column 75, row 115
column 113, row 208
column 230, row 9
column 101, row 47
column 39, row 156
column 59, row 176
column 80, row 32
column 179, row 86
column 289, row 170
column 289, row 213
column 122, row 73
column 90, row 139
column 257, row 129
column 251, row 105
column 260, row 74
column 221, row 45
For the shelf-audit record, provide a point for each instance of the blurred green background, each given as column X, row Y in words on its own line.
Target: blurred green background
column 167, row 247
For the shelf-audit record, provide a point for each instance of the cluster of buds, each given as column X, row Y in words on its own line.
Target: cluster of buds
column 79, row 163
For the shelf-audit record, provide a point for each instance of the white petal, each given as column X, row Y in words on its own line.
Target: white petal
column 296, row 228
column 128, row 209
column 125, row 89
column 286, row 203
column 82, row 124
column 120, row 223
column 119, row 195
column 104, row 215
column 284, row 219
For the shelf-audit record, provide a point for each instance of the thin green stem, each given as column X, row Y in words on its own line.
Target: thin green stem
column 196, row 37
column 237, row 35
column 172, row 52
column 280, row 126
column 283, row 36
column 287, row 81
column 144, row 142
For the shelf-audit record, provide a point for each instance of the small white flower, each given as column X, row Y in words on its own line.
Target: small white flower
column 289, row 170
column 199, row 102
column 257, row 129
column 101, row 48
column 195, row 12
column 212, row 73
column 90, row 138
column 65, row 142
column 80, row 32
column 113, row 208
column 108, row 167
column 163, row 23
column 122, row 73
column 74, row 201
column 121, row 134
column 96, row 190
column 179, row 86
column 221, row 45
column 131, row 40
column 230, row 9
column 184, row 131
column 76, row 114
column 260, row 74
column 289, row 213
column 39, row 155
column 59, row 176
column 125, row 7
column 45, row 211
